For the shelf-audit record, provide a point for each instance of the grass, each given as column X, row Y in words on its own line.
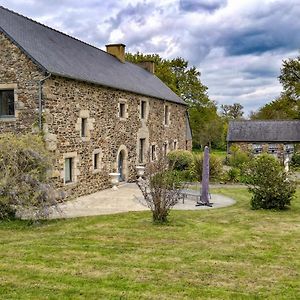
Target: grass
column 229, row 253
column 219, row 153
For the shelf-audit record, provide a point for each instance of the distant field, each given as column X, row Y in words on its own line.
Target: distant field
column 229, row 253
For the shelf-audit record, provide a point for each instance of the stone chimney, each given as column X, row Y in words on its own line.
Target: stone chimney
column 147, row 65
column 117, row 50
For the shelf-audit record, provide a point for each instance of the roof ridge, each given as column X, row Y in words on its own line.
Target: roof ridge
column 46, row 26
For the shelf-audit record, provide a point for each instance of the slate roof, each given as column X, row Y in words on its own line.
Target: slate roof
column 264, row 131
column 62, row 55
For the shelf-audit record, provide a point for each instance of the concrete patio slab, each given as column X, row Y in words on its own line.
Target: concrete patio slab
column 127, row 198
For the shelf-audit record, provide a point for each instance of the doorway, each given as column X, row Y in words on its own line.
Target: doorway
column 121, row 166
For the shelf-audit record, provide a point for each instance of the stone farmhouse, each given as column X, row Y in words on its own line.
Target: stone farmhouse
column 278, row 138
column 98, row 113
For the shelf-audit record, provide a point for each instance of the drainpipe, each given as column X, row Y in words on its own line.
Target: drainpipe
column 40, row 99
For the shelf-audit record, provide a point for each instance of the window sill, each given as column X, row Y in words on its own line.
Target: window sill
column 96, row 171
column 8, row 119
column 70, row 183
column 85, row 138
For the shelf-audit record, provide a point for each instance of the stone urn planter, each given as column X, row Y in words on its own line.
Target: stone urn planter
column 114, row 179
column 140, row 171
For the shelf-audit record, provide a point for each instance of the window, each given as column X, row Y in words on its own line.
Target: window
column 141, row 150
column 166, row 116
column 257, row 148
column 7, row 105
column 122, row 110
column 83, row 127
column 165, row 148
column 143, row 109
column 96, row 161
column 69, row 170
column 289, row 148
column 153, row 152
column 175, row 145
column 272, row 149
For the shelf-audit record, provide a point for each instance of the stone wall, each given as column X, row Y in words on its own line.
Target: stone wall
column 66, row 101
column 248, row 147
column 19, row 73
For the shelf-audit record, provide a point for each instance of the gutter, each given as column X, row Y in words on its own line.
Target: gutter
column 40, row 100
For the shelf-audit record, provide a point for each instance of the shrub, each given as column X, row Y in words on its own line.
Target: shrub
column 238, row 158
column 181, row 160
column 24, row 181
column 233, row 175
column 7, row 211
column 160, row 188
column 268, row 183
column 215, row 166
column 295, row 161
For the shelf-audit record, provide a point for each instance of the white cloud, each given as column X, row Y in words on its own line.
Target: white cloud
column 237, row 45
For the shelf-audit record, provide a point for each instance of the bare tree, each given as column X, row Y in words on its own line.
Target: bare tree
column 161, row 188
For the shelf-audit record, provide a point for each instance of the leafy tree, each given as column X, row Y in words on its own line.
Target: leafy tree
column 287, row 106
column 290, row 77
column 280, row 109
column 206, row 124
column 232, row 112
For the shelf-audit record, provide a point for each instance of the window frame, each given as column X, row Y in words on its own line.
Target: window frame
column 142, row 144
column 289, row 148
column 165, row 148
column 166, row 115
column 70, row 170
column 96, row 158
column 153, row 155
column 74, row 165
column 122, row 110
column 144, row 110
column 257, row 148
column 175, row 145
column 96, row 161
column 83, row 129
column 12, row 90
column 272, row 149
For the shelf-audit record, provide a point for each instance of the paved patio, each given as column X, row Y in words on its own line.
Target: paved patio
column 127, row 198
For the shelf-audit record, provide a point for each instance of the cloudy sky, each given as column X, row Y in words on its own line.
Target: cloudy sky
column 238, row 45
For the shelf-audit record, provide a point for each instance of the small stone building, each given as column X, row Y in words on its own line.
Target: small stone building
column 274, row 137
column 98, row 113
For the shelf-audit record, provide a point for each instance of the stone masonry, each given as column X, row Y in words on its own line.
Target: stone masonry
column 280, row 151
column 66, row 102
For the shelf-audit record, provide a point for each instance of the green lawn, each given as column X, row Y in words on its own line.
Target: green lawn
column 219, row 153
column 229, row 253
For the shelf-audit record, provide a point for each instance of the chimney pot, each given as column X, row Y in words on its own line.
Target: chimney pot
column 117, row 50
